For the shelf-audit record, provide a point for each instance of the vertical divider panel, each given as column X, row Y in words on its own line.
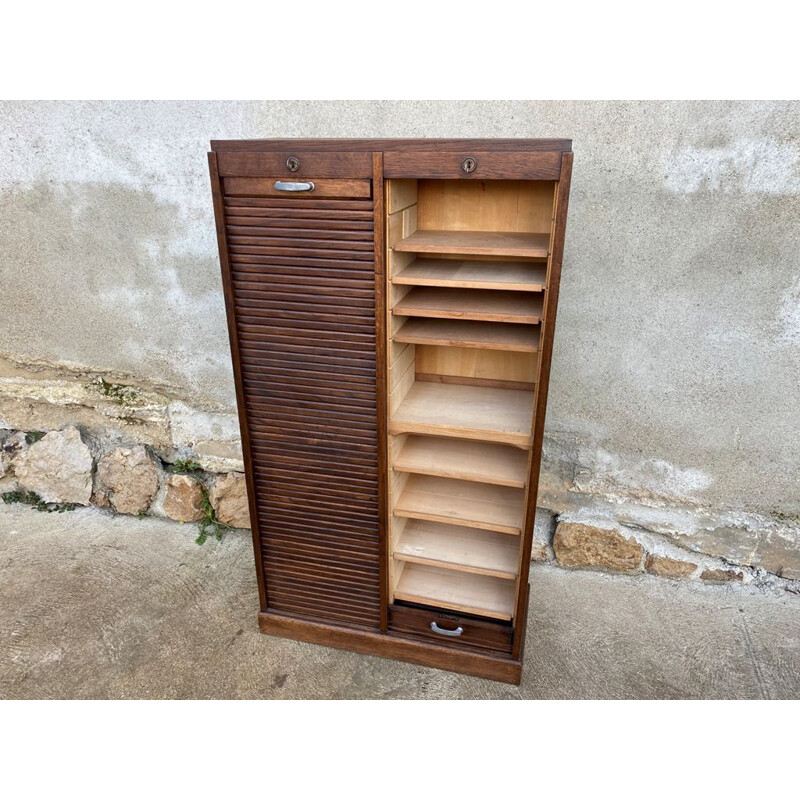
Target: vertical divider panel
column 558, row 230
column 401, row 221
column 379, row 205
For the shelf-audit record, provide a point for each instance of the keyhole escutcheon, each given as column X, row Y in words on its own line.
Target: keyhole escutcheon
column 469, row 164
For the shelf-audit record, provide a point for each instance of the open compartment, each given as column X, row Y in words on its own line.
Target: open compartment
column 467, row 280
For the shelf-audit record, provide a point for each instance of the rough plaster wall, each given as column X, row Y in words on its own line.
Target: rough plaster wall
column 677, row 362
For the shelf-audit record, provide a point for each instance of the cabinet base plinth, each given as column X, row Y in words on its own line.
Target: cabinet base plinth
column 492, row 667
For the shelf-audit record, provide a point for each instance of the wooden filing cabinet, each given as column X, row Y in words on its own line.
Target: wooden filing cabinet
column 391, row 310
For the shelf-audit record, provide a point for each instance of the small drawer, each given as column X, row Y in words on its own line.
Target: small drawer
column 482, row 166
column 293, row 162
column 297, row 188
column 474, row 633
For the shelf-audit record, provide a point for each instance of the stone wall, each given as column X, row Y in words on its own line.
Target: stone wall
column 604, row 545
column 673, row 407
column 62, row 469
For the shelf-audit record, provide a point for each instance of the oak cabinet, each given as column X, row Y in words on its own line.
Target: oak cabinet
column 391, row 309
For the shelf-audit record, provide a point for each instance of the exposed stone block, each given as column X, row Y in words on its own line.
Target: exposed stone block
column 579, row 545
column 128, row 478
column 228, row 496
column 669, row 567
column 58, row 468
column 721, row 576
column 184, row 498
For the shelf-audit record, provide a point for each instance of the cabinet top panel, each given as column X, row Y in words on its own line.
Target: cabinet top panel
column 378, row 145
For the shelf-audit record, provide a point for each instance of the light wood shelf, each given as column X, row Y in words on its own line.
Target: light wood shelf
column 510, row 275
column 479, row 335
column 477, row 243
column 428, row 301
column 504, row 416
column 497, row 464
column 455, row 547
column 474, row 505
column 458, row 591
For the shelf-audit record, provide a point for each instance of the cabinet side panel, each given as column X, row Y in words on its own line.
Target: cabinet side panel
column 561, row 202
column 302, row 277
column 219, row 218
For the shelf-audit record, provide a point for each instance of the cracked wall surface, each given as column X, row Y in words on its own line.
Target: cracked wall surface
column 677, row 359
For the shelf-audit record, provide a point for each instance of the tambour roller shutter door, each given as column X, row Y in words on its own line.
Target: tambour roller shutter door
column 302, row 273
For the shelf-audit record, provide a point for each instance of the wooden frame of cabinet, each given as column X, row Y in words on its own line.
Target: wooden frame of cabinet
column 391, row 309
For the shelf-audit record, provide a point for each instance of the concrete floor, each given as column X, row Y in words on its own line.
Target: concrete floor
column 96, row 606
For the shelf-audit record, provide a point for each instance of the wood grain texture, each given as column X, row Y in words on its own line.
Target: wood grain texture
column 496, row 667
column 464, row 459
column 473, row 505
column 400, row 194
column 428, row 301
column 479, row 335
column 548, row 333
column 477, row 634
column 265, row 187
column 313, row 338
column 382, row 375
column 309, row 355
column 506, row 206
column 512, row 276
column 478, row 243
column 463, row 549
column 227, row 287
column 463, row 592
column 489, row 165
column 330, row 164
column 477, row 366
column 469, row 412
column 387, row 145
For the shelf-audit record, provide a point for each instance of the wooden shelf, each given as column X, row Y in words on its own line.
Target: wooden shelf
column 497, row 464
column 510, row 275
column 476, row 243
column 474, row 505
column 458, row 591
column 460, row 333
column 454, row 547
column 504, row 416
column 519, row 307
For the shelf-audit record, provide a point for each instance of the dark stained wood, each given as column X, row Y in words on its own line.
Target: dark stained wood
column 336, row 146
column 489, row 165
column 307, row 380
column 304, row 278
column 477, row 633
column 546, row 344
column 381, row 381
column 227, row 286
column 331, row 164
column 308, row 226
column 265, row 187
column 293, row 228
column 301, row 207
column 428, row 654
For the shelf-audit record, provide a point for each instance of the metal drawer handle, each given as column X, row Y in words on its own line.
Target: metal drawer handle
column 436, row 629
column 294, row 186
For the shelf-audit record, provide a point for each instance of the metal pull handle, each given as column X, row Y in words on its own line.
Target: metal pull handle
column 294, row 186
column 436, row 629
